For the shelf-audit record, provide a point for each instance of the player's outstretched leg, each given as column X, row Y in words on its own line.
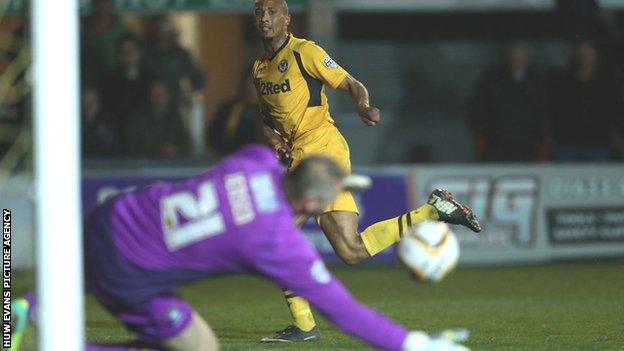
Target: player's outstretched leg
column 439, row 207
column 381, row 235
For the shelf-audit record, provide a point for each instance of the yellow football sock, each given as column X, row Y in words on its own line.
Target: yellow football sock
column 381, row 235
column 300, row 311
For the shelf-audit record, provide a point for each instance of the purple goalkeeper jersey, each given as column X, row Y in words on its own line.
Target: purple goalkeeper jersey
column 235, row 218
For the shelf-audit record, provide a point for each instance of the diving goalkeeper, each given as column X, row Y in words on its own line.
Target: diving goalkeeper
column 236, row 218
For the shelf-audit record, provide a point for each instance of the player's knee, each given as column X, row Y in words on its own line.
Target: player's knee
column 352, row 251
column 341, row 230
column 349, row 258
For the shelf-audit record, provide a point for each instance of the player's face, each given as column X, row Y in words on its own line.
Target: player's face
column 271, row 18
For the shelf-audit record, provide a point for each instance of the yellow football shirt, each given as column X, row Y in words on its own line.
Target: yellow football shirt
column 291, row 87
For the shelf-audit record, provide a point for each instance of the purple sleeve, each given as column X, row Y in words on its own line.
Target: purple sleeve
column 291, row 262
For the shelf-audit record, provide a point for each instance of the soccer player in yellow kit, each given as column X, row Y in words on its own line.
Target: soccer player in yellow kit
column 291, row 77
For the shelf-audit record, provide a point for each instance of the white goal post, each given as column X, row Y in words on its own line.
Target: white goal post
column 56, row 124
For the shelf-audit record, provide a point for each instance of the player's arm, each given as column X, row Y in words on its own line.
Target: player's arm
column 359, row 94
column 318, row 64
column 283, row 151
column 271, row 136
column 275, row 140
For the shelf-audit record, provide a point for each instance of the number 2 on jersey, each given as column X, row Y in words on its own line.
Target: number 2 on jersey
column 201, row 217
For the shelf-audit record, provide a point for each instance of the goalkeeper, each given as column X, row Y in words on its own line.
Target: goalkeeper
column 236, row 218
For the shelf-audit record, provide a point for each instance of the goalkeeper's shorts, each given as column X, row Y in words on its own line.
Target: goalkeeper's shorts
column 143, row 301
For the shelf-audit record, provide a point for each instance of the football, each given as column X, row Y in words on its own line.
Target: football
column 429, row 250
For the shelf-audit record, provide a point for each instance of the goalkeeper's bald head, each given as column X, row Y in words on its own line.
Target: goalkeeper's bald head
column 315, row 177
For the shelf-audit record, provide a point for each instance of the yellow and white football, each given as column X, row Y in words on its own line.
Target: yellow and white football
column 429, row 250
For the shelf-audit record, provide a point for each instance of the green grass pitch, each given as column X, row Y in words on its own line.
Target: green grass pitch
column 576, row 306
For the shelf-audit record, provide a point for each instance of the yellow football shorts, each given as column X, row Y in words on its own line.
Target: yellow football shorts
column 327, row 141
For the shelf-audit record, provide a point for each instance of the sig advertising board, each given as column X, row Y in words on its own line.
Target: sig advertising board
column 534, row 212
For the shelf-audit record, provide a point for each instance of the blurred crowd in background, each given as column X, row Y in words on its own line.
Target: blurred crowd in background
column 573, row 113
column 139, row 92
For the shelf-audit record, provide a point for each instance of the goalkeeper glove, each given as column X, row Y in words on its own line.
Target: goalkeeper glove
column 447, row 340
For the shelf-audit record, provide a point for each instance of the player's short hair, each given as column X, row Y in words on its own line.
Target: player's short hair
column 316, row 177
